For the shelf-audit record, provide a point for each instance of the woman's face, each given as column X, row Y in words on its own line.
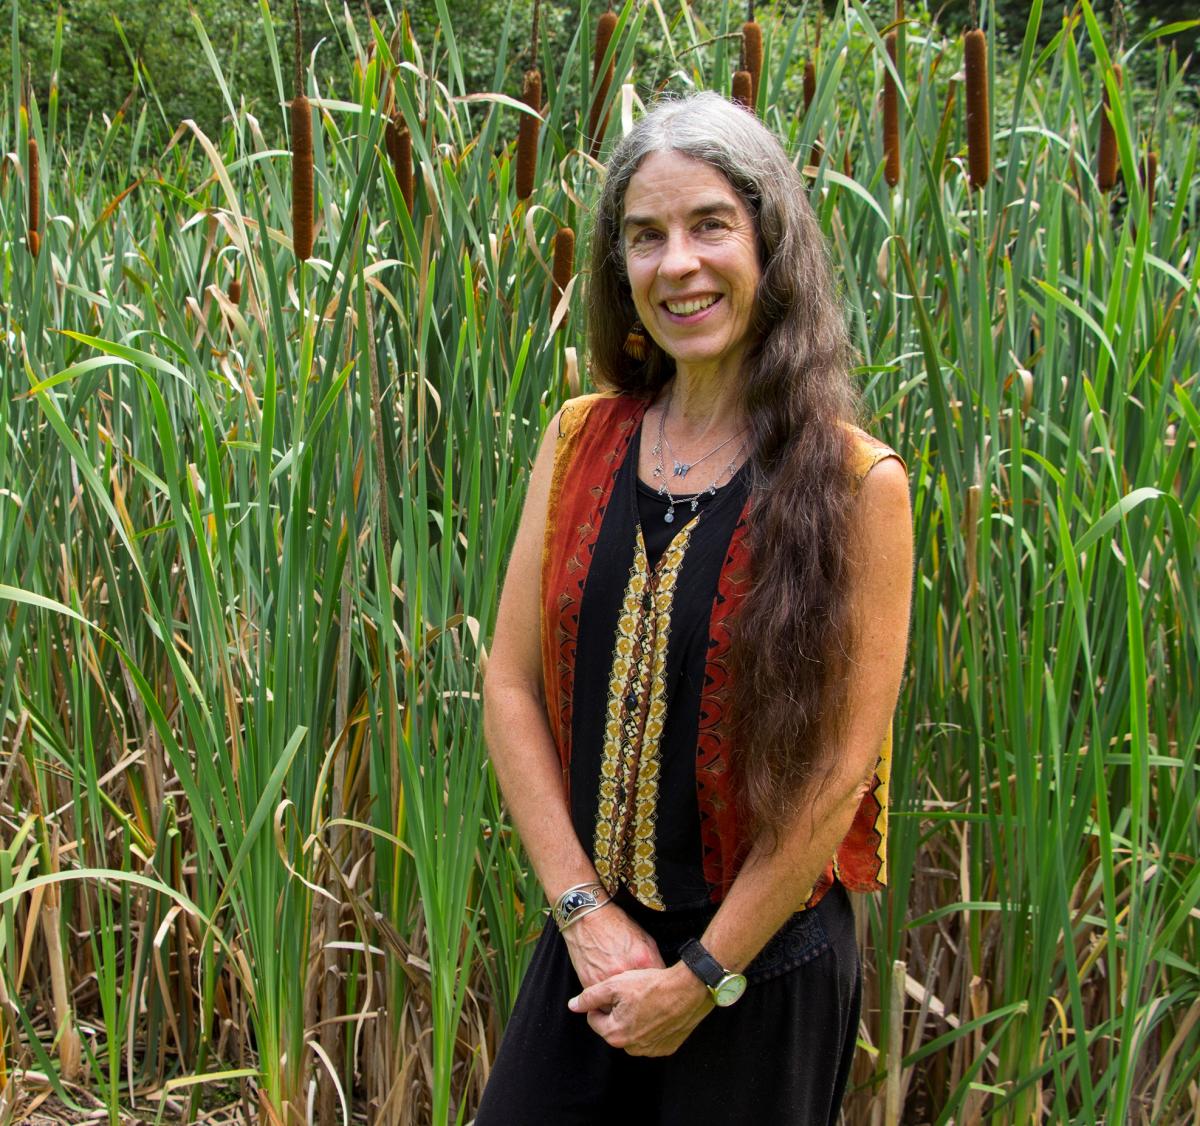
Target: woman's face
column 691, row 255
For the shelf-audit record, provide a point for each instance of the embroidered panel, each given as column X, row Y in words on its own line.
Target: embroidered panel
column 624, row 847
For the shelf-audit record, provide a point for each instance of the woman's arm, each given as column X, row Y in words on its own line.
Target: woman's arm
column 652, row 1012
column 526, row 760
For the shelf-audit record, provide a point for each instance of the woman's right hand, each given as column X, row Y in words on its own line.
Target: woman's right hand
column 608, row 942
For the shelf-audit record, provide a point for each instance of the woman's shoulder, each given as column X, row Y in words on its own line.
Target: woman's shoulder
column 597, row 407
column 864, row 451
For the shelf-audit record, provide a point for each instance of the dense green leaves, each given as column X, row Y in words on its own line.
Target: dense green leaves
column 251, row 545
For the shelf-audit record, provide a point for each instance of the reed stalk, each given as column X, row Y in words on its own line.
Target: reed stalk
column 563, row 268
column 33, row 194
column 742, row 89
column 978, row 111
column 527, row 136
column 891, row 118
column 602, row 77
column 752, row 55
column 1108, row 159
column 398, row 142
column 1149, row 180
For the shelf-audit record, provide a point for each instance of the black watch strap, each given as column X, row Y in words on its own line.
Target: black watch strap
column 702, row 963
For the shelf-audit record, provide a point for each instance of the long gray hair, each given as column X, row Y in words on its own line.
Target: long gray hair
column 789, row 684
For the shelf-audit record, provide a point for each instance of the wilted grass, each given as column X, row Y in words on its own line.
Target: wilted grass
column 251, row 548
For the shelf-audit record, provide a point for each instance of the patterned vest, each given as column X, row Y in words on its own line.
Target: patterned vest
column 637, row 674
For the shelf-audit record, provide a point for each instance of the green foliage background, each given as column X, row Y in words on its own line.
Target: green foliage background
column 252, row 536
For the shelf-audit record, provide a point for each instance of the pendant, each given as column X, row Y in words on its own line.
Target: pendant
column 681, row 468
column 669, row 518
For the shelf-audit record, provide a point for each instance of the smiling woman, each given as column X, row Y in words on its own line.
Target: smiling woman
column 696, row 659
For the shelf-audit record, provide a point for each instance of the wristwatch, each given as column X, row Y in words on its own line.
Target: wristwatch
column 723, row 986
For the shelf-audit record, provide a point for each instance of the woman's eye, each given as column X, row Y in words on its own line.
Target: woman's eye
column 712, row 225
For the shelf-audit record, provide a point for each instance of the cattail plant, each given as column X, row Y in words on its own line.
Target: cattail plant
column 979, row 154
column 398, row 141
column 1149, row 176
column 602, row 77
column 35, row 202
column 564, row 261
column 234, row 293
column 891, row 118
column 1107, row 159
column 302, row 160
column 743, row 89
column 527, row 136
column 752, row 54
column 810, row 84
column 530, row 126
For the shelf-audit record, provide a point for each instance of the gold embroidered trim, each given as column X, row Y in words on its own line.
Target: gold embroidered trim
column 630, row 769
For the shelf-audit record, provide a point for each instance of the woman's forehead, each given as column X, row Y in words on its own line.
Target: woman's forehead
column 674, row 181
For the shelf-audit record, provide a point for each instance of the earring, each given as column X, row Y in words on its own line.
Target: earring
column 635, row 342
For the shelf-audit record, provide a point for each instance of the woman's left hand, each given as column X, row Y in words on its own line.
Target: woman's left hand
column 645, row 1012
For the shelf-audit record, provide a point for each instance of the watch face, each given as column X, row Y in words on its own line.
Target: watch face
column 729, row 989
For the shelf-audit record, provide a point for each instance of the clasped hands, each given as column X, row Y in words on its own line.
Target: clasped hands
column 631, row 998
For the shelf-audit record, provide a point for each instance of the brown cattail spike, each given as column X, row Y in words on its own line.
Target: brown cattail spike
column 743, row 89
column 810, row 85
column 398, row 140
column 34, row 237
column 1107, row 157
column 235, row 290
column 302, row 178
column 527, row 135
column 891, row 119
column 602, row 77
column 979, row 141
column 564, row 261
column 752, row 57
column 1149, row 176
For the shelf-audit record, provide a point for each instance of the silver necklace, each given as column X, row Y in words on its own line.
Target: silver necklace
column 681, row 469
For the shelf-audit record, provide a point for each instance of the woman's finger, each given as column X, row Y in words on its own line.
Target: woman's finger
column 601, row 996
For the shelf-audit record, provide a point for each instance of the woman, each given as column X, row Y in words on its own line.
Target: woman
column 697, row 655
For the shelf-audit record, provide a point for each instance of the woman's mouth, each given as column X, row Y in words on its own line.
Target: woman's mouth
column 691, row 308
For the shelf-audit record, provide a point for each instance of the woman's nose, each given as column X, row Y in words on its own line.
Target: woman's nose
column 679, row 256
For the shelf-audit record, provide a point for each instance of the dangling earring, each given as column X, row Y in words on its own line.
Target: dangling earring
column 635, row 342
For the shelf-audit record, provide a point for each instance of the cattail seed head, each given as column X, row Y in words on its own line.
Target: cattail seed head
column 564, row 261
column 32, row 164
column 891, row 119
column 979, row 148
column 742, row 92
column 235, row 290
column 527, row 135
column 810, row 84
column 847, row 166
column 752, row 57
column 602, row 77
column 398, row 141
column 302, row 178
column 1149, row 176
column 1107, row 158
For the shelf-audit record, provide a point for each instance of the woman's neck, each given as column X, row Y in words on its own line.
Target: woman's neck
column 700, row 407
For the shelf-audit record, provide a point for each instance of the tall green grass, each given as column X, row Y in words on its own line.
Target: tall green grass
column 250, row 556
